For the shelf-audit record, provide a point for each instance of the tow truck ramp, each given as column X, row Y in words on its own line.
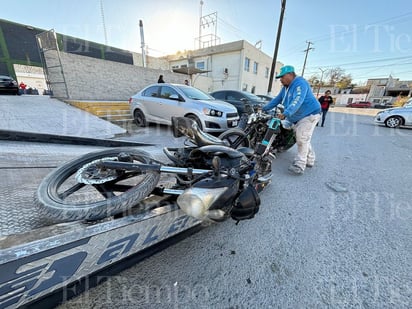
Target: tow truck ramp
column 44, row 262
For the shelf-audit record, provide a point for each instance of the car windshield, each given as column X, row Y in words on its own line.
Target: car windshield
column 195, row 94
column 251, row 96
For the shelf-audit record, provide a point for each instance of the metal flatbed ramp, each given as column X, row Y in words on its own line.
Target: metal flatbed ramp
column 38, row 263
column 39, row 260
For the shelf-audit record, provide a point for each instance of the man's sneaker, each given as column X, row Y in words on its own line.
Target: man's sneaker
column 310, row 164
column 296, row 170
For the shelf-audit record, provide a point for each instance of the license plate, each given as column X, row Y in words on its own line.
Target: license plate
column 234, row 123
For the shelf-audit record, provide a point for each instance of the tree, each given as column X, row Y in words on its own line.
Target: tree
column 336, row 77
column 314, row 80
column 345, row 82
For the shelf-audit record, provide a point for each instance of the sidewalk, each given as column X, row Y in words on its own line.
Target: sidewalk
column 355, row 111
column 42, row 114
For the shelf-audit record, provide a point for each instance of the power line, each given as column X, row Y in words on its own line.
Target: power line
column 367, row 61
column 325, row 37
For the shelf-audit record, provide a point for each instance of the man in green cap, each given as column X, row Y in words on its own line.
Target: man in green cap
column 303, row 110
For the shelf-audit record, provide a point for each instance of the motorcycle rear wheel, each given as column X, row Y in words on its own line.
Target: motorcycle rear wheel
column 62, row 198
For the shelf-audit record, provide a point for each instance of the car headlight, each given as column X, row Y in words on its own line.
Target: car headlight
column 195, row 202
column 212, row 112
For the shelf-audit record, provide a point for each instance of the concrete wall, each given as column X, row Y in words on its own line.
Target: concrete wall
column 258, row 80
column 230, row 61
column 89, row 78
column 32, row 76
column 343, row 99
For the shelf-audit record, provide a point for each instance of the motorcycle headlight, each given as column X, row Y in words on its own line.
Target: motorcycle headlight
column 212, row 112
column 195, row 202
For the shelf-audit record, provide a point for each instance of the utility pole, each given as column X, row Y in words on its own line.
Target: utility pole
column 320, row 83
column 142, row 43
column 306, row 55
column 104, row 23
column 275, row 54
column 200, row 25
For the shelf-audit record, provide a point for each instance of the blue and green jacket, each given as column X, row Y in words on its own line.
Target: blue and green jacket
column 298, row 100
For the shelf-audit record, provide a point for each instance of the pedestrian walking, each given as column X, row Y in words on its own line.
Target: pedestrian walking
column 325, row 102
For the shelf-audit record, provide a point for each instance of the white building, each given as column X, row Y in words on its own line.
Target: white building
column 237, row 65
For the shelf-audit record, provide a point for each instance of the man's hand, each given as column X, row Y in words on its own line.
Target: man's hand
column 281, row 116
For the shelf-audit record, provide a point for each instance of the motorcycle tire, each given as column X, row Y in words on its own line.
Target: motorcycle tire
column 236, row 138
column 60, row 197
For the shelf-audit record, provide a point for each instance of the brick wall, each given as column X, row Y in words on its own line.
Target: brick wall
column 88, row 78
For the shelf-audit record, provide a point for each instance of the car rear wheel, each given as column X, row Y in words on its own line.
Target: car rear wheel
column 393, row 122
column 139, row 118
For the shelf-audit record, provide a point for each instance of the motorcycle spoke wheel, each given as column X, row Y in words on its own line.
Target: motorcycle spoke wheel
column 98, row 192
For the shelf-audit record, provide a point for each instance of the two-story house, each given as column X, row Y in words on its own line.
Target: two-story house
column 237, row 65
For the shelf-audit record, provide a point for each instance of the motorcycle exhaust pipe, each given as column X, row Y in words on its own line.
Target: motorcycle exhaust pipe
column 196, row 202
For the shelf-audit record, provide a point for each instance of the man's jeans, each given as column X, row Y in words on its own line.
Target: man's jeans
column 303, row 131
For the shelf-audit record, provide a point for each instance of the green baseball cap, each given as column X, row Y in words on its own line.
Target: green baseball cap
column 285, row 70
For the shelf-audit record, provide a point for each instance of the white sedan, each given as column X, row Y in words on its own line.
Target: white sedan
column 395, row 117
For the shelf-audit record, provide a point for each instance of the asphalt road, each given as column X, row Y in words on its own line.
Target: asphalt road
column 338, row 236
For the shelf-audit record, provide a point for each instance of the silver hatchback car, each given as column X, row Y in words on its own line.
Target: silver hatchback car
column 395, row 117
column 157, row 103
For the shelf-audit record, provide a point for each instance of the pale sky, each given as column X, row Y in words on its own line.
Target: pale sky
column 367, row 39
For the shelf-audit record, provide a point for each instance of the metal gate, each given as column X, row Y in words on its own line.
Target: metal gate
column 52, row 65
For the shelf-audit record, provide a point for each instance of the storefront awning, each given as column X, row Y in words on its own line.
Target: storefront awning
column 189, row 71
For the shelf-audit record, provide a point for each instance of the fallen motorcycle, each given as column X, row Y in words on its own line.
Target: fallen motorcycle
column 211, row 181
column 261, row 128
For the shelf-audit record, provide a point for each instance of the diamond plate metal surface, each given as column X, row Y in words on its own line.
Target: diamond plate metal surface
column 23, row 165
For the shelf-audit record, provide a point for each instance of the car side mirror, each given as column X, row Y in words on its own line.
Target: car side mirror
column 174, row 97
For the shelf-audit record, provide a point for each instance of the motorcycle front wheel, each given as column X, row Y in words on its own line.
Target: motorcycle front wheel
column 235, row 138
column 83, row 190
column 285, row 140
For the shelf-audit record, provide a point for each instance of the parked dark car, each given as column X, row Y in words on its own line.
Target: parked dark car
column 383, row 105
column 8, row 85
column 265, row 98
column 359, row 104
column 243, row 101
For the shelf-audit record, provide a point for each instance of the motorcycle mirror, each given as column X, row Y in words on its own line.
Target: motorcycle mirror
column 175, row 127
column 216, row 163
